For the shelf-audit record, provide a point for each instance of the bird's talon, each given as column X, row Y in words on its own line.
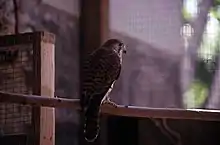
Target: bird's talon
column 108, row 102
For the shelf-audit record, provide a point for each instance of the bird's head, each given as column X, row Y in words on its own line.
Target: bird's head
column 117, row 45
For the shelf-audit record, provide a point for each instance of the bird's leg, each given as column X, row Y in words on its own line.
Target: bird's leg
column 107, row 99
column 109, row 102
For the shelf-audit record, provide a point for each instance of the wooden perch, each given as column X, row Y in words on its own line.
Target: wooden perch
column 35, row 100
column 170, row 113
column 129, row 111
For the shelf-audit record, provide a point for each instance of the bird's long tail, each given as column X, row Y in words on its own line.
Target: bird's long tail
column 91, row 120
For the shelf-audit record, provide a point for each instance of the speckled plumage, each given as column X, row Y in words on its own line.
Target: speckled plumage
column 100, row 70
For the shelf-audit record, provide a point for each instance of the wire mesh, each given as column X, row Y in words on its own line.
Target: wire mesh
column 15, row 73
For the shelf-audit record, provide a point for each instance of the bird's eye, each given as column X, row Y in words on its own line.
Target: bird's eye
column 120, row 44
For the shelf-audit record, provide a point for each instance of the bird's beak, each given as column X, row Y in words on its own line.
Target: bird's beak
column 124, row 49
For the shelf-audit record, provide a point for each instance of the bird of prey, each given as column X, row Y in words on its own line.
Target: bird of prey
column 100, row 71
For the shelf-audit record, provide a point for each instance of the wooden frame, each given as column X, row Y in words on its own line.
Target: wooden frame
column 94, row 30
column 120, row 110
column 47, row 86
column 43, row 81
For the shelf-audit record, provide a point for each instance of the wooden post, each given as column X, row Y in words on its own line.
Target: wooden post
column 93, row 31
column 93, row 24
column 47, row 118
column 44, row 75
column 35, row 73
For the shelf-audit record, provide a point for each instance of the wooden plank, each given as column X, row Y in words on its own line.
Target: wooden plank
column 47, row 118
column 146, row 112
column 35, row 100
column 121, row 110
column 43, row 77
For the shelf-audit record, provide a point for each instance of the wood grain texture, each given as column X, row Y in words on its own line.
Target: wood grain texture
column 121, row 110
column 47, row 118
column 43, row 78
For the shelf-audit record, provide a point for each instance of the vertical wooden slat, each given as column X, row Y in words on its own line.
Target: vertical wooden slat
column 93, row 31
column 47, row 118
column 35, row 136
column 44, row 75
column 93, row 24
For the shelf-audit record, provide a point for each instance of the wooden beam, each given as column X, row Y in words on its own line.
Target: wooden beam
column 145, row 112
column 121, row 110
column 93, row 31
column 44, row 84
column 47, row 115
column 40, row 101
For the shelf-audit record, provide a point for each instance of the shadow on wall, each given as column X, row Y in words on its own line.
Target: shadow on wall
column 150, row 77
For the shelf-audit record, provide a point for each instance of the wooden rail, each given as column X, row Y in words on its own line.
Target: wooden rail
column 120, row 110
column 35, row 100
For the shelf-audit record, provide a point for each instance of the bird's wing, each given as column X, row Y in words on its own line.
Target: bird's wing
column 100, row 70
